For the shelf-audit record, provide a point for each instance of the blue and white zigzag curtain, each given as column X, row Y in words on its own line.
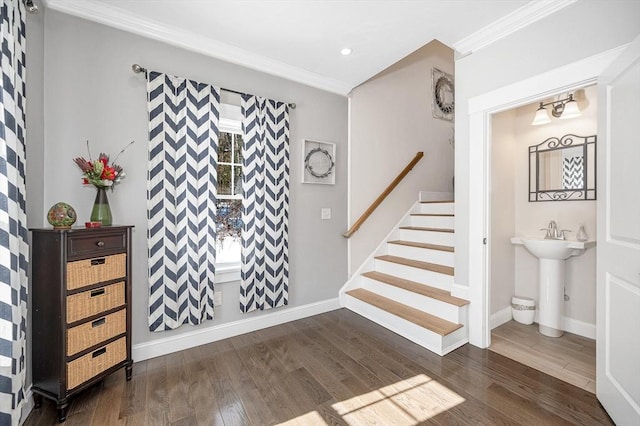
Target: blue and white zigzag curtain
column 14, row 249
column 265, row 185
column 181, row 199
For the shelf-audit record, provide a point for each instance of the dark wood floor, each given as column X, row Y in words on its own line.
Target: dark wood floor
column 336, row 369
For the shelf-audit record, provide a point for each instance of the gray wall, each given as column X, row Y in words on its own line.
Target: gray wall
column 502, row 262
column 391, row 120
column 578, row 31
column 91, row 93
column 34, row 136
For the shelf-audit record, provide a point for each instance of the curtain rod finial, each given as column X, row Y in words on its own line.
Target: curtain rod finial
column 137, row 69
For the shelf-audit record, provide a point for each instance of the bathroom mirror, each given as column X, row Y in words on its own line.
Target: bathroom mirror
column 563, row 169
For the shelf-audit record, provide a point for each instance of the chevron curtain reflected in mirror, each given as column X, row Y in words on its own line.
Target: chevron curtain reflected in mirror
column 181, row 199
column 265, row 185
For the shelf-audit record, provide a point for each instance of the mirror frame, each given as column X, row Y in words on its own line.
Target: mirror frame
column 587, row 192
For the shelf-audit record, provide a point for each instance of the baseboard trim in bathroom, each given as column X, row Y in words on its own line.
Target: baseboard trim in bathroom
column 575, row 326
column 500, row 317
column 580, row 328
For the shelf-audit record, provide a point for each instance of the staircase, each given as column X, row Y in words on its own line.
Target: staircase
column 406, row 285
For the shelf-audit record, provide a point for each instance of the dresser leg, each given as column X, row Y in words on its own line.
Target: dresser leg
column 128, row 370
column 62, row 412
column 37, row 400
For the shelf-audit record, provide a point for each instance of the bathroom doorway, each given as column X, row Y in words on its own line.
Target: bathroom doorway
column 512, row 269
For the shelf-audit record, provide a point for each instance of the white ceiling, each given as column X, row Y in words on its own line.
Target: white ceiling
column 301, row 39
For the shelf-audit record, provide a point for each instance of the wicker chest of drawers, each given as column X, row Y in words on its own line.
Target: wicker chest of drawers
column 81, row 309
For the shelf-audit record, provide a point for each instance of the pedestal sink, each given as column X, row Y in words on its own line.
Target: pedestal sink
column 551, row 255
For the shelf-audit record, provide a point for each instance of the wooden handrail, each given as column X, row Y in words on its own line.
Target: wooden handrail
column 358, row 223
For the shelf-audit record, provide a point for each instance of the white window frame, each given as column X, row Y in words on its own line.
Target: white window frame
column 230, row 122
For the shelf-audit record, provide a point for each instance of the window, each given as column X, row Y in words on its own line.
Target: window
column 229, row 199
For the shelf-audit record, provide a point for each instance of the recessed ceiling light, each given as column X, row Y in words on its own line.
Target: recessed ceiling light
column 346, row 51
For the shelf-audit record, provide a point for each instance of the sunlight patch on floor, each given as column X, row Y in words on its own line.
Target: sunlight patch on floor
column 311, row 418
column 406, row 402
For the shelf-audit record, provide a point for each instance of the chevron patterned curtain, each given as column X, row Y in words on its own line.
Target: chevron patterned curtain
column 181, row 199
column 14, row 248
column 265, row 185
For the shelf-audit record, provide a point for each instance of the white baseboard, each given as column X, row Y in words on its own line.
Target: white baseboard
column 461, row 291
column 575, row 326
column 500, row 317
column 199, row 337
column 580, row 328
column 28, row 405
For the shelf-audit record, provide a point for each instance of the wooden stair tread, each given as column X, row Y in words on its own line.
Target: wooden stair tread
column 414, row 287
column 441, row 269
column 422, row 245
column 419, row 228
column 430, row 322
column 436, row 202
column 433, row 214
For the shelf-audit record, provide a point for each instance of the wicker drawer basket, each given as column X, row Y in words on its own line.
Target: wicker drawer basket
column 82, row 273
column 91, row 333
column 90, row 365
column 92, row 302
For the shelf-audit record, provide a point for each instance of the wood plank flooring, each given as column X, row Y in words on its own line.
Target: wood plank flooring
column 571, row 358
column 332, row 369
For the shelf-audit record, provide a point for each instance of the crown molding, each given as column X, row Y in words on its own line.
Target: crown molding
column 516, row 20
column 117, row 18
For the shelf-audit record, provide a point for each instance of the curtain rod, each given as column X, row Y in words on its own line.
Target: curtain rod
column 139, row 69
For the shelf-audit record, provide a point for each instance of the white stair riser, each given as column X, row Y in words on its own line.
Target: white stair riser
column 426, row 304
column 455, row 340
column 436, row 208
column 423, row 276
column 430, row 237
column 446, row 222
column 407, row 329
column 425, row 255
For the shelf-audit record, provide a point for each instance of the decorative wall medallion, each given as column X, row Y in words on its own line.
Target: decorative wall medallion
column 443, row 95
column 318, row 161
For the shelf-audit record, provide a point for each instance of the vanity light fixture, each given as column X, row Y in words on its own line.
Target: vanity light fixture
column 562, row 108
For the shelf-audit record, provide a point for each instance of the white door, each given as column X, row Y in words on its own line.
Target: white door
column 618, row 257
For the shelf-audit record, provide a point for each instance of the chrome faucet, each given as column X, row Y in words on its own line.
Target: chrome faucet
column 552, row 230
column 553, row 233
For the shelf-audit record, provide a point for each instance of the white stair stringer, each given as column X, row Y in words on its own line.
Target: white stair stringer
column 407, row 281
column 434, row 342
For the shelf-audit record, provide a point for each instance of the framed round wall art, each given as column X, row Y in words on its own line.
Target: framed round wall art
column 318, row 162
column 442, row 89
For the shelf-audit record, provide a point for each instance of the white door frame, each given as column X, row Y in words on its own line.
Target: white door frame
column 564, row 79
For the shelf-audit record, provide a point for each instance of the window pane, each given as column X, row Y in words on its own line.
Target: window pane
column 229, row 231
column 224, row 147
column 237, row 174
column 224, row 179
column 237, row 155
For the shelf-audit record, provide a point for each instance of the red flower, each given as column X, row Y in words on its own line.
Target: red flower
column 85, row 181
column 107, row 172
